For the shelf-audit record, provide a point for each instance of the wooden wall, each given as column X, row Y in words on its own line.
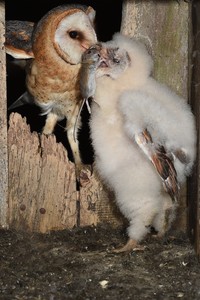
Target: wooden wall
column 3, row 124
column 194, row 181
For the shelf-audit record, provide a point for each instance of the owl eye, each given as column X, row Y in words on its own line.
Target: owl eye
column 116, row 60
column 73, row 34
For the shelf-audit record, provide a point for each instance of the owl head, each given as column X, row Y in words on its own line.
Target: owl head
column 125, row 58
column 65, row 32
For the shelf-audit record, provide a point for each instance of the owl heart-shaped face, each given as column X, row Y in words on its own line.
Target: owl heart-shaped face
column 73, row 36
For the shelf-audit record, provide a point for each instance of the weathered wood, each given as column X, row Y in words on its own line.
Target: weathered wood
column 96, row 202
column 194, row 182
column 3, row 124
column 42, row 185
column 163, row 27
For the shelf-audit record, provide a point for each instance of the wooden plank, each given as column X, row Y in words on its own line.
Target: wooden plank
column 43, row 195
column 194, row 182
column 3, row 124
column 42, row 185
column 96, row 202
column 163, row 27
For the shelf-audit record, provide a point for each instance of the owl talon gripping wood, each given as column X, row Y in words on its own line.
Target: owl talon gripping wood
column 54, row 48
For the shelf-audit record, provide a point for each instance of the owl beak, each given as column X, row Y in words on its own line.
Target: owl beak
column 104, row 58
column 103, row 64
column 84, row 46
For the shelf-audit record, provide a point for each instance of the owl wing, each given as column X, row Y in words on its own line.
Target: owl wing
column 162, row 161
column 24, row 99
column 18, row 39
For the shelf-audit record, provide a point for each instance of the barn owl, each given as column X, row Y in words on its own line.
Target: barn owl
column 54, row 48
column 144, row 137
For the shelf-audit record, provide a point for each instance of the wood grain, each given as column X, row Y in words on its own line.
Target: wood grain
column 42, row 185
column 3, row 124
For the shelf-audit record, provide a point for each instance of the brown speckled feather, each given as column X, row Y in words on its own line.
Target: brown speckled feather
column 162, row 161
column 19, row 38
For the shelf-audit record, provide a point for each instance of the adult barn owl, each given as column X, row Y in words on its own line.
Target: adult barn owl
column 143, row 136
column 55, row 46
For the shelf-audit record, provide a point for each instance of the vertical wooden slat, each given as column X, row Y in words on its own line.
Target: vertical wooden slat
column 163, row 27
column 42, row 185
column 194, row 182
column 96, row 202
column 3, row 124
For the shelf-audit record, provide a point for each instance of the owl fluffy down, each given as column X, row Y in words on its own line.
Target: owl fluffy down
column 130, row 101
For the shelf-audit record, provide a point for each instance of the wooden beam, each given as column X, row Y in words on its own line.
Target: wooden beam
column 42, row 184
column 3, row 124
column 163, row 27
column 194, row 182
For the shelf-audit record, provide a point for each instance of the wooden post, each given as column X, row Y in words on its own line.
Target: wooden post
column 3, row 124
column 163, row 27
column 42, row 184
column 194, row 182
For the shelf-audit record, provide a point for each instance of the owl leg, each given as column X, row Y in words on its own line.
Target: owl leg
column 163, row 220
column 50, row 123
column 72, row 129
column 74, row 146
column 141, row 217
column 136, row 232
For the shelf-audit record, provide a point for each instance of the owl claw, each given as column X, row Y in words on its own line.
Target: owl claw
column 83, row 174
column 130, row 246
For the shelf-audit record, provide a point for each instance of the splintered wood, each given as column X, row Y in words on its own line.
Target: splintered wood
column 40, row 175
column 42, row 184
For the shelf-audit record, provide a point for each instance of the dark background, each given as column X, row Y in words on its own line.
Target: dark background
column 108, row 21
column 108, row 13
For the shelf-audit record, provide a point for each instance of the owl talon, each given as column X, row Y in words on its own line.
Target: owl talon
column 130, row 246
column 84, row 175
